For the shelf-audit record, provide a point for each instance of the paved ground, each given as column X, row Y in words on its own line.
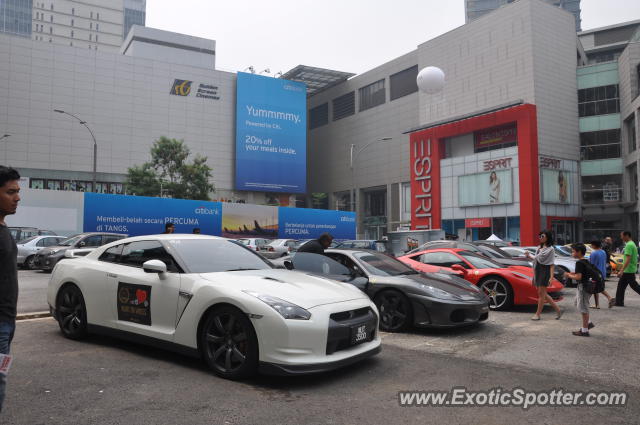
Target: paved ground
column 33, row 291
column 106, row 381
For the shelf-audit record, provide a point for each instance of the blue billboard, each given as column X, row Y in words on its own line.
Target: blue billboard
column 140, row 215
column 271, row 134
column 302, row 223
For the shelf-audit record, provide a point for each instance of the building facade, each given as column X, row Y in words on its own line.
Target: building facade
column 92, row 24
column 15, row 17
column 477, row 8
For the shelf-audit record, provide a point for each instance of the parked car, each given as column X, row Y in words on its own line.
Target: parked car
column 404, row 297
column 277, row 248
column 499, row 244
column 375, row 245
column 505, row 286
column 255, row 244
column 20, row 233
column 208, row 297
column 28, row 248
column 47, row 258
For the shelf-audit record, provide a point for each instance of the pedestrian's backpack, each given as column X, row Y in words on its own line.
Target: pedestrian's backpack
column 595, row 282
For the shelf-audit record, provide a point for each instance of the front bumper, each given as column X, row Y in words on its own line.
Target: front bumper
column 431, row 313
column 48, row 262
column 304, row 369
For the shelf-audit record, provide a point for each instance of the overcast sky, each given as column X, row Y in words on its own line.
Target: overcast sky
column 347, row 35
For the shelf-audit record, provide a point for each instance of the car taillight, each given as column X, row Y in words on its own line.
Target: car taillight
column 271, row 249
column 257, row 248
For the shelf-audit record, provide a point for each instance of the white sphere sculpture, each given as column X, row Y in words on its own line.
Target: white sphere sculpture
column 431, row 80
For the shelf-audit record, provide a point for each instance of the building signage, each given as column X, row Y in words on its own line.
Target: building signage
column 496, row 136
column 301, row 223
column 493, row 164
column 477, row 222
column 204, row 91
column 546, row 162
column 271, row 134
column 425, row 184
column 488, row 188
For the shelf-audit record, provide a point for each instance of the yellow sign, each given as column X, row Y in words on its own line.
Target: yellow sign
column 181, row 87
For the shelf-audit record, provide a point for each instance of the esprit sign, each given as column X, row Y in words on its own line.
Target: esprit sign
column 546, row 162
column 477, row 223
column 425, row 184
column 494, row 164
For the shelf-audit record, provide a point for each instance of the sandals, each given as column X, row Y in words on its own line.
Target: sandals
column 535, row 318
column 612, row 302
column 560, row 313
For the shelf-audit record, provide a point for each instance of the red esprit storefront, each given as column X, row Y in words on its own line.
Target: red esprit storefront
column 428, row 150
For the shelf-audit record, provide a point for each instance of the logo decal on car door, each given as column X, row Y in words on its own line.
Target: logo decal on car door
column 134, row 303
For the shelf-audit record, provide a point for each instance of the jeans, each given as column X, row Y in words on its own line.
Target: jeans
column 7, row 330
column 627, row 279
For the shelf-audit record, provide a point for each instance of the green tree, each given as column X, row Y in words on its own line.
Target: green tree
column 169, row 173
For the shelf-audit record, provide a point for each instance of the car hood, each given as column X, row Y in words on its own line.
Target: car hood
column 49, row 250
column 302, row 289
column 511, row 262
column 444, row 281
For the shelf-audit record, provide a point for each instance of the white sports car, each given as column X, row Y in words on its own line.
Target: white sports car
column 213, row 298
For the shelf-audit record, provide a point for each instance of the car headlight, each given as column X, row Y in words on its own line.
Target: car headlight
column 286, row 309
column 53, row 251
column 522, row 275
column 438, row 293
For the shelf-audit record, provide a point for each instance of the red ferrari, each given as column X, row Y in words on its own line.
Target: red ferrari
column 505, row 286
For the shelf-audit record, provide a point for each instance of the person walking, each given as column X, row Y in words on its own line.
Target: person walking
column 543, row 265
column 598, row 258
column 9, row 199
column 629, row 269
column 581, row 275
column 607, row 247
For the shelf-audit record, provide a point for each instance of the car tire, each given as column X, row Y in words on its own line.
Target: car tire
column 229, row 344
column 29, row 263
column 71, row 312
column 499, row 292
column 396, row 313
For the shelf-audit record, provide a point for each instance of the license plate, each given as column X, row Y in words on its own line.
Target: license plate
column 360, row 333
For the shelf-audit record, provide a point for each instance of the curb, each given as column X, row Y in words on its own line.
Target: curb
column 36, row 315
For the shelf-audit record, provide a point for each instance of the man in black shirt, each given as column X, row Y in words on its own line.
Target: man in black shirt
column 581, row 275
column 9, row 198
column 317, row 246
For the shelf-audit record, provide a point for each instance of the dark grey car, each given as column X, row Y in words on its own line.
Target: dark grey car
column 47, row 258
column 403, row 296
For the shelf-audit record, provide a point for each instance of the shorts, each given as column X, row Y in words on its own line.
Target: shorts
column 582, row 300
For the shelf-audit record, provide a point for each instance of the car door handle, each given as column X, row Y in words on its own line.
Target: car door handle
column 112, row 275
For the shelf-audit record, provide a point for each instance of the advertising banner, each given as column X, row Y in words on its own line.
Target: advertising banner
column 496, row 136
column 271, row 134
column 249, row 221
column 301, row 223
column 556, row 186
column 494, row 187
column 425, row 182
column 141, row 215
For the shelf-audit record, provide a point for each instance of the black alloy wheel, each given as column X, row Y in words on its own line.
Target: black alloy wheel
column 395, row 311
column 71, row 312
column 499, row 292
column 229, row 343
column 29, row 263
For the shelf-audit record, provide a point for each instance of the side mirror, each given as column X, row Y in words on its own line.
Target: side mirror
column 154, row 266
column 360, row 283
column 459, row 268
column 288, row 264
column 81, row 244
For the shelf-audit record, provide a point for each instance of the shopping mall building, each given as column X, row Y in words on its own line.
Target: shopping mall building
column 525, row 135
column 536, row 126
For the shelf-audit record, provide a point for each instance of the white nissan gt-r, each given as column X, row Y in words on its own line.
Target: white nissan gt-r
column 214, row 298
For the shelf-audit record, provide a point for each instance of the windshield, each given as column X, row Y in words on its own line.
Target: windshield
column 71, row 241
column 563, row 251
column 216, row 255
column 319, row 264
column 479, row 262
column 383, row 265
column 24, row 241
column 492, row 252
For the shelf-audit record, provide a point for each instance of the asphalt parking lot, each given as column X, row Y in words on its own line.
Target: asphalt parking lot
column 106, row 381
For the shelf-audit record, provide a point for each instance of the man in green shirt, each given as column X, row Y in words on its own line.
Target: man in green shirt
column 628, row 272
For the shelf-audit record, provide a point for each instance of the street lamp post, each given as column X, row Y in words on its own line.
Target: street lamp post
column 95, row 144
column 353, row 155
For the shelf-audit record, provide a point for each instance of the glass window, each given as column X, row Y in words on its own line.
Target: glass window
column 603, row 144
column 480, row 262
column 135, row 254
column 403, row 83
column 344, row 106
column 53, row 241
column 112, row 255
column 41, row 242
column 91, row 241
column 216, row 255
column 442, row 259
column 54, row 184
column 111, row 238
column 372, row 95
column 598, row 101
column 319, row 116
column 383, row 265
